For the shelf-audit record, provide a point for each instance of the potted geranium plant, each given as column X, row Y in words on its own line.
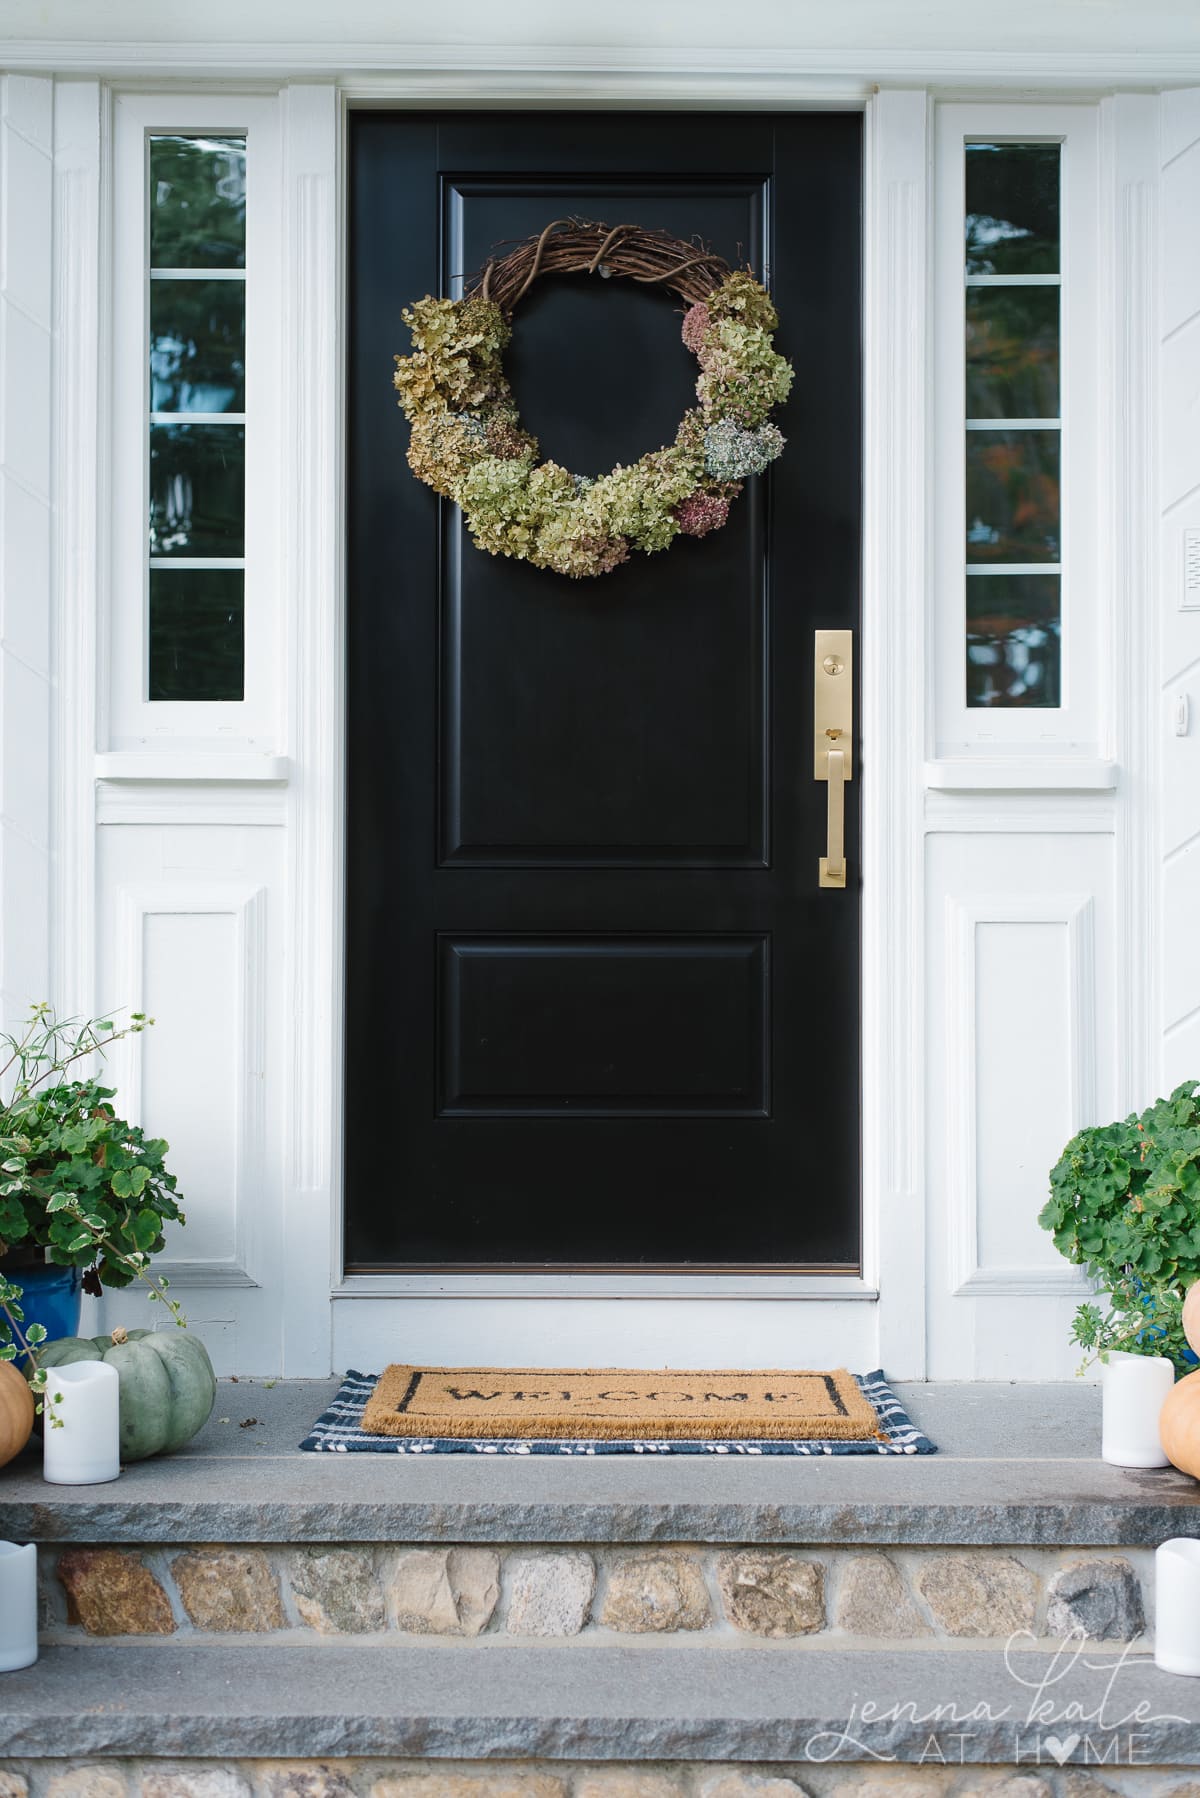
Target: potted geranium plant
column 1125, row 1206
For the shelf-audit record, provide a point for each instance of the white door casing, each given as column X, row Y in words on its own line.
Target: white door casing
column 211, row 868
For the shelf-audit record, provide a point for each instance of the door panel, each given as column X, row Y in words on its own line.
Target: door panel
column 592, row 982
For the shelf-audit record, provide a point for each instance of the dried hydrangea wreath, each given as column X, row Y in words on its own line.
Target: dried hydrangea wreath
column 468, row 444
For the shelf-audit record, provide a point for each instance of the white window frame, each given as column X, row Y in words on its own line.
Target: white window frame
column 1076, row 727
column 129, row 720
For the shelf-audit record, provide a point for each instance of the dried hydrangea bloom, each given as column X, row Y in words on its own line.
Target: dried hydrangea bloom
column 467, row 442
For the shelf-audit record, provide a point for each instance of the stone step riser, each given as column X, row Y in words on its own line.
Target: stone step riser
column 424, row 1779
column 817, row 1596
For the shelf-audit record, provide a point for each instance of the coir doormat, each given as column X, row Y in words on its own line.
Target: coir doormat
column 340, row 1430
column 710, row 1404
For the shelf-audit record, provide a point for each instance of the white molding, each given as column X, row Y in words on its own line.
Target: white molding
column 1024, row 1282
column 193, row 765
column 80, row 317
column 716, row 75
column 312, row 580
column 247, row 905
column 1008, row 813
column 608, row 1286
column 963, row 918
column 1020, row 773
column 1130, row 175
column 170, row 802
column 893, row 661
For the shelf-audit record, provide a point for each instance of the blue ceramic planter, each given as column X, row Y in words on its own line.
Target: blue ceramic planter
column 52, row 1297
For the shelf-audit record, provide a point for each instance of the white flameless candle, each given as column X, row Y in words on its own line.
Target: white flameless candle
column 1177, row 1606
column 1135, row 1387
column 87, row 1449
column 18, row 1606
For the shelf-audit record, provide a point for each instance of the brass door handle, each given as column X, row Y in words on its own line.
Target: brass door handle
column 833, row 743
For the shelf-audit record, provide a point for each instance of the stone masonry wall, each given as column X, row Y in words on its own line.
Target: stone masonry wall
column 412, row 1779
column 851, row 1595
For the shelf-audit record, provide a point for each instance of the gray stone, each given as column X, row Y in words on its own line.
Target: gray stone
column 662, row 1701
column 1022, row 1785
column 873, row 1600
column 550, row 1594
column 307, row 1782
column 979, row 1595
column 627, row 1782
column 336, row 1590
column 444, row 1591
column 13, row 1785
column 771, row 1592
column 194, row 1782
column 492, row 1784
column 88, row 1782
column 748, row 1785
column 229, row 1589
column 648, row 1594
column 1101, row 1598
column 1082, row 1785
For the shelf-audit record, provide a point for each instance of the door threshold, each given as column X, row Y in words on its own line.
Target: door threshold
column 653, row 1283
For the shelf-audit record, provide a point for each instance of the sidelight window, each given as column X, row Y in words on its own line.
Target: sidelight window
column 196, row 404
column 1013, row 547
column 1015, row 499
column 197, row 435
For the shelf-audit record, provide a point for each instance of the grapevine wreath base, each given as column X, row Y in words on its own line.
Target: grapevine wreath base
column 468, row 444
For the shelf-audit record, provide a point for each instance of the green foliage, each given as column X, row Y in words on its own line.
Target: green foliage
column 1125, row 1205
column 76, row 1181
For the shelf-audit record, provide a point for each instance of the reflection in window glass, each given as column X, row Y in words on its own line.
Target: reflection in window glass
column 1012, row 209
column 1013, row 647
column 197, row 366
column 1013, row 547
column 197, row 346
column 197, row 490
column 197, row 202
column 1012, row 352
column 197, row 639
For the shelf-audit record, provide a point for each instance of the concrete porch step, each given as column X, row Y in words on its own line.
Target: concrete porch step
column 1017, row 1465
column 634, row 1703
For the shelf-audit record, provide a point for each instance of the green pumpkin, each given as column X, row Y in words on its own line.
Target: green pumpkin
column 168, row 1387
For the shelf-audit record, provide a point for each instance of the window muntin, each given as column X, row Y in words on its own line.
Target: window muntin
column 196, row 545
column 1013, row 447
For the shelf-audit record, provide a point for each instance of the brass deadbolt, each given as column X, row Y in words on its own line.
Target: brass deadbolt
column 833, row 664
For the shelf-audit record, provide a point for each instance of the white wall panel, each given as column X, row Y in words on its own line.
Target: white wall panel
column 26, row 266
column 1022, row 1009
column 1179, row 504
column 188, row 934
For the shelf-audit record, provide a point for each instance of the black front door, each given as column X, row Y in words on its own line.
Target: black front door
column 599, row 1012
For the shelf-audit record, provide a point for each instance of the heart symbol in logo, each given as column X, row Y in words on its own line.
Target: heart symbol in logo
column 1060, row 1750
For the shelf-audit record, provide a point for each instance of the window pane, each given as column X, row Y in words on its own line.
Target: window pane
column 1013, row 640
column 1012, row 209
column 197, row 346
column 197, row 490
column 197, row 202
column 197, row 633
column 1012, row 352
column 1013, row 496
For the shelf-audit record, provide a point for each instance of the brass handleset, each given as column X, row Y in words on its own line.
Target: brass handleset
column 833, row 723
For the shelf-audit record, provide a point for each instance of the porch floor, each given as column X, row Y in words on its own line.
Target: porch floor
column 1018, row 1464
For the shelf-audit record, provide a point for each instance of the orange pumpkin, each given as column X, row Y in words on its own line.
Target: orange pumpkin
column 16, row 1412
column 1179, row 1424
column 1191, row 1317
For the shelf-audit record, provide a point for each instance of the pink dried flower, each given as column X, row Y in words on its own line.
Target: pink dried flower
column 701, row 513
column 695, row 323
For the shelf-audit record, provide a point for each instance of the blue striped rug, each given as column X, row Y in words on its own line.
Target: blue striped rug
column 339, row 1431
